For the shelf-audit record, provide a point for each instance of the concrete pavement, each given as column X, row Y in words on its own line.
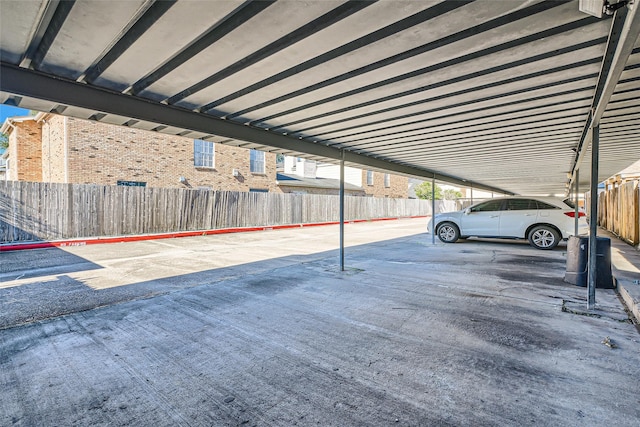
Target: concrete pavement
column 263, row 329
column 625, row 261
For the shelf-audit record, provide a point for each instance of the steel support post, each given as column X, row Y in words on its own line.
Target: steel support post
column 593, row 218
column 342, row 211
column 623, row 36
column 433, row 210
column 576, row 189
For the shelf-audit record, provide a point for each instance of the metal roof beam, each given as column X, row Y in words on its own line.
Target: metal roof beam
column 242, row 13
column 415, row 19
column 479, row 133
column 467, row 102
column 29, row 83
column 305, row 31
column 624, row 33
column 149, row 16
column 475, row 100
column 50, row 24
column 452, row 38
column 440, row 84
column 45, row 16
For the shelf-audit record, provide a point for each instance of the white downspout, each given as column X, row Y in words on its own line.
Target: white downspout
column 8, row 166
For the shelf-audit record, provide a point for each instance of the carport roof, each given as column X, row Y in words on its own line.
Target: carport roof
column 493, row 94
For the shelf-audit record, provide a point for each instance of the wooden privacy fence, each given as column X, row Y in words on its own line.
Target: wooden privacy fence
column 45, row 211
column 618, row 211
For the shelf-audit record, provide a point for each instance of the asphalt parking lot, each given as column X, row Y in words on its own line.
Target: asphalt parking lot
column 262, row 329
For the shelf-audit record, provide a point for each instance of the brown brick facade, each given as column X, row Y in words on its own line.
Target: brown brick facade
column 398, row 185
column 25, row 156
column 98, row 153
column 53, row 148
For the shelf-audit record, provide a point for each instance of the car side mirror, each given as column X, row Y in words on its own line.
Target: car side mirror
column 467, row 211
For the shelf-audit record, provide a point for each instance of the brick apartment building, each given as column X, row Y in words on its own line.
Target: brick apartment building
column 53, row 148
column 23, row 157
column 307, row 176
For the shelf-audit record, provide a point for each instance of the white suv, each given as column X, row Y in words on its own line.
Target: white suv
column 543, row 220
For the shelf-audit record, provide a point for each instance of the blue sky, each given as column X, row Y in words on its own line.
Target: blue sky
column 9, row 111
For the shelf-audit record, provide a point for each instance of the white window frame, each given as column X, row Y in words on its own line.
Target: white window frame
column 256, row 162
column 204, row 154
column 369, row 177
column 387, row 180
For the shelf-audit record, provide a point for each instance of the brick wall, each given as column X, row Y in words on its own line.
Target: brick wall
column 398, row 188
column 104, row 154
column 98, row 153
column 25, row 156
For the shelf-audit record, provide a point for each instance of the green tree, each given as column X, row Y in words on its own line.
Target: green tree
column 4, row 141
column 423, row 191
column 451, row 194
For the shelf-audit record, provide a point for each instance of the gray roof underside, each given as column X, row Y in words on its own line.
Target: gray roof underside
column 495, row 94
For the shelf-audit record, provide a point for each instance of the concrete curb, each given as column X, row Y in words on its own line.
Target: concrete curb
column 625, row 266
column 119, row 239
column 631, row 302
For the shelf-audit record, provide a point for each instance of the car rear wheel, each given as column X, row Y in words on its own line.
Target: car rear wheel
column 544, row 237
column 448, row 232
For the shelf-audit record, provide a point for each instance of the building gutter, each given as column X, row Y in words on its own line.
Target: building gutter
column 6, row 125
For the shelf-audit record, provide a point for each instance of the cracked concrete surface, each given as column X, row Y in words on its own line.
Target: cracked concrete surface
column 263, row 329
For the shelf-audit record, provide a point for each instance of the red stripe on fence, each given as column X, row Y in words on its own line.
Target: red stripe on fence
column 121, row 239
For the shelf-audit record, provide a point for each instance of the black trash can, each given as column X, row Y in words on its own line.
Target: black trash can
column 578, row 260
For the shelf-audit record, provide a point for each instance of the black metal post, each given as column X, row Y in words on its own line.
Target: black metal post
column 576, row 189
column 433, row 210
column 342, row 211
column 593, row 218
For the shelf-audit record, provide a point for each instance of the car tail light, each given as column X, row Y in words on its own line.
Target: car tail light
column 572, row 214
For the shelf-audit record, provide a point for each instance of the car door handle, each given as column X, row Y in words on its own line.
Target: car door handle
column 494, row 216
column 528, row 215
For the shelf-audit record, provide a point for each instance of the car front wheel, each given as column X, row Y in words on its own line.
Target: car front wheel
column 448, row 232
column 544, row 237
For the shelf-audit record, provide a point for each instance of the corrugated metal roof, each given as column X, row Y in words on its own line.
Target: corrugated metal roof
column 496, row 94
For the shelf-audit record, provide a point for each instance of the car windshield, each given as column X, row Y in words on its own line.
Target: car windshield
column 569, row 203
